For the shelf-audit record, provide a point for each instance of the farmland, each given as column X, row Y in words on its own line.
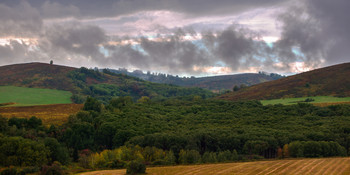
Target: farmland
column 288, row 166
column 22, row 96
column 318, row 100
column 50, row 114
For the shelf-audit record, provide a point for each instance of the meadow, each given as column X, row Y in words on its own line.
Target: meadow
column 315, row 166
column 22, row 96
column 317, row 100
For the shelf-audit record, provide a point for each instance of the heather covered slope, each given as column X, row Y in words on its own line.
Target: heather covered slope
column 37, row 75
column 328, row 81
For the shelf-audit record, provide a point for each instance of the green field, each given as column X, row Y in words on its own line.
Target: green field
column 23, row 96
column 318, row 99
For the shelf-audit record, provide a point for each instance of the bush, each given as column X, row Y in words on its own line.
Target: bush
column 189, row 157
column 54, row 169
column 9, row 171
column 309, row 100
column 135, row 167
column 30, row 170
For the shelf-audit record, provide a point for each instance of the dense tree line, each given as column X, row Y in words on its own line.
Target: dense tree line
column 186, row 130
column 106, row 85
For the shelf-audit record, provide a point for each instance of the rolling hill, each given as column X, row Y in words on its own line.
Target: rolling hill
column 328, row 81
column 84, row 82
column 214, row 83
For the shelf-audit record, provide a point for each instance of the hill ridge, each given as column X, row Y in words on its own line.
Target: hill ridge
column 332, row 80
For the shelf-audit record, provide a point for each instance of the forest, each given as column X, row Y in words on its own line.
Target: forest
column 179, row 130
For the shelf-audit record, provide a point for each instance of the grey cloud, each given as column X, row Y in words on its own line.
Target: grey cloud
column 56, row 10
column 108, row 8
column 73, row 38
column 234, row 47
column 320, row 29
column 20, row 20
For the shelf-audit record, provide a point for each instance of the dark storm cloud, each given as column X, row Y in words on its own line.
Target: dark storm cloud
column 311, row 31
column 56, row 10
column 19, row 20
column 170, row 53
column 320, row 28
column 108, row 8
column 234, row 47
column 74, row 38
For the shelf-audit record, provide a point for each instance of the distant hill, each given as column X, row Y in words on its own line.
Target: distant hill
column 214, row 83
column 84, row 82
column 331, row 81
column 37, row 75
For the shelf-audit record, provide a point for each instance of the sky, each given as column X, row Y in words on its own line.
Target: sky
column 180, row 37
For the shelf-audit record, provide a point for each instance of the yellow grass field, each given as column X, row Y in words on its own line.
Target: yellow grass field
column 317, row 166
column 49, row 114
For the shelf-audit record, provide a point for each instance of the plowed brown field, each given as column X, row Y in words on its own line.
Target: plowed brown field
column 320, row 166
column 49, row 114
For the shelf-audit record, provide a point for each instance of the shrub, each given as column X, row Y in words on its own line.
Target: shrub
column 189, row 157
column 9, row 171
column 54, row 169
column 30, row 170
column 135, row 167
column 309, row 100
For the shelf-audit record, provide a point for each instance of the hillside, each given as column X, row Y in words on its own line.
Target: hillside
column 214, row 83
column 37, row 75
column 84, row 82
column 328, row 81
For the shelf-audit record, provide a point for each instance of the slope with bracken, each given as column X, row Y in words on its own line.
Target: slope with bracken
column 328, row 81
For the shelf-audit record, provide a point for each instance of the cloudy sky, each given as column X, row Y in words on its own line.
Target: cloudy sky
column 184, row 37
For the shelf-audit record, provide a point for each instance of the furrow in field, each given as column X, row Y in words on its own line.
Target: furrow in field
column 274, row 167
column 232, row 170
column 306, row 166
column 325, row 166
column 320, row 162
column 301, row 163
column 213, row 169
column 292, row 164
column 338, row 168
column 331, row 167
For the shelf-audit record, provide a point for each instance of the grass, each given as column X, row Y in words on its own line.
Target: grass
column 22, row 96
column 287, row 166
column 318, row 99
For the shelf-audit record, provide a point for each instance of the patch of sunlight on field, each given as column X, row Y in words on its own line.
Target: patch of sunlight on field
column 318, row 99
column 23, row 96
column 287, row 166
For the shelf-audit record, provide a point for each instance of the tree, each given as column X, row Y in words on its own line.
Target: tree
column 235, row 88
column 135, row 167
column 104, row 135
column 18, row 151
column 92, row 104
column 279, row 153
column 143, row 99
column 51, row 62
column 285, row 151
column 3, row 124
column 57, row 151
column 189, row 157
column 34, row 122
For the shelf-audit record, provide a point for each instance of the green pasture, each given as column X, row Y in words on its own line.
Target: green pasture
column 318, row 99
column 23, row 96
